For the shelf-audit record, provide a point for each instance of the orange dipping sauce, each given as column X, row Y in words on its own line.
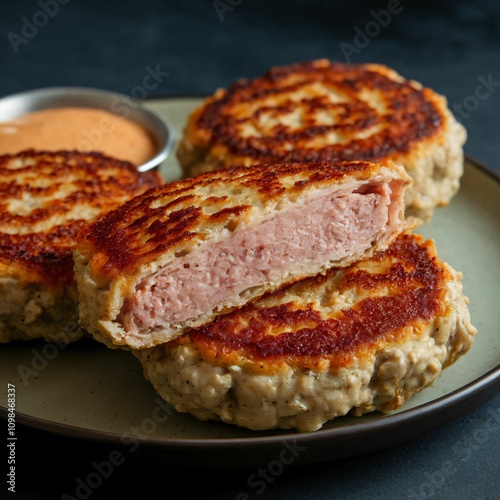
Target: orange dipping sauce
column 83, row 129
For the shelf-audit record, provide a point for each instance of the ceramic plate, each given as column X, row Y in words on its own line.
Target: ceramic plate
column 88, row 391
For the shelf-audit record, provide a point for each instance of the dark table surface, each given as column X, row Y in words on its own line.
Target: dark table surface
column 451, row 47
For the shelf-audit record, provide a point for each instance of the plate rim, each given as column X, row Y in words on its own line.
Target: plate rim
column 463, row 400
column 484, row 388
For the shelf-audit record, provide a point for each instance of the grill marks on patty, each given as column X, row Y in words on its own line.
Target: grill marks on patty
column 280, row 116
column 180, row 214
column 327, row 111
column 47, row 199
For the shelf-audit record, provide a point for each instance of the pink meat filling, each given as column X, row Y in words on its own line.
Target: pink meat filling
column 295, row 240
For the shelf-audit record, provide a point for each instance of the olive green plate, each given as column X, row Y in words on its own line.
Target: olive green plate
column 86, row 391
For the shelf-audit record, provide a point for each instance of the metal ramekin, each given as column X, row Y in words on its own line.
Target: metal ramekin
column 162, row 131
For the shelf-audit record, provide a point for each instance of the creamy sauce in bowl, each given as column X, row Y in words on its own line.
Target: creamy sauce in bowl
column 82, row 129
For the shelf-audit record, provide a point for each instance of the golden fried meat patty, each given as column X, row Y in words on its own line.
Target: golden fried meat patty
column 354, row 340
column 46, row 199
column 322, row 110
column 177, row 256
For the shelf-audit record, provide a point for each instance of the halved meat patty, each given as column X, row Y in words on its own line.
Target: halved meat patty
column 322, row 110
column 45, row 200
column 188, row 251
column 354, row 340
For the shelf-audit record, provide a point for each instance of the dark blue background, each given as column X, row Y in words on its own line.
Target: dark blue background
column 447, row 46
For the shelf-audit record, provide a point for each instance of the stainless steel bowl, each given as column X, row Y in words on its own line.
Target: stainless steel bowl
column 160, row 128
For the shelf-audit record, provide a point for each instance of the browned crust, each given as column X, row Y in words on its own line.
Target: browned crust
column 174, row 214
column 412, row 115
column 37, row 245
column 401, row 291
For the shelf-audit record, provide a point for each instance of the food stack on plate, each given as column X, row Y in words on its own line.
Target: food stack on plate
column 281, row 283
